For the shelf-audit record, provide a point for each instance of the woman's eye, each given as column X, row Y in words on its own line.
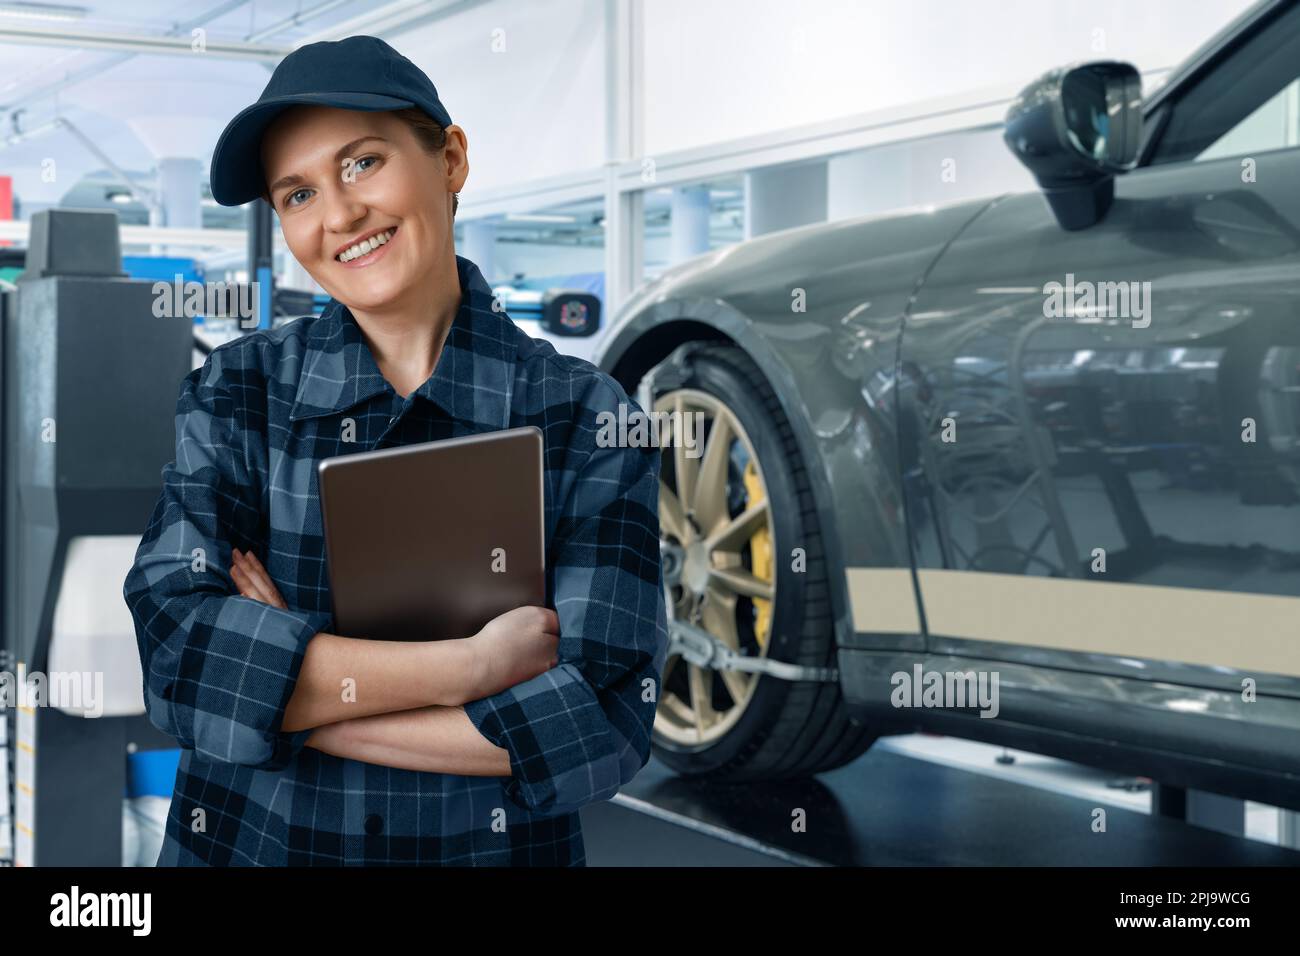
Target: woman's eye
column 364, row 163
column 290, row 200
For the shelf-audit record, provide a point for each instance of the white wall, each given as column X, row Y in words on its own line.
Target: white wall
column 942, row 169
column 525, row 80
column 722, row 69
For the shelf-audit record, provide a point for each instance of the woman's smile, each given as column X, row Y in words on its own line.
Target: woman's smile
column 369, row 249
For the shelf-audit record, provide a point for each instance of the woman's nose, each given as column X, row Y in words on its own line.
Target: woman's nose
column 342, row 211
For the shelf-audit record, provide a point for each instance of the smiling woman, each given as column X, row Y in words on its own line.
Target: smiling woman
column 393, row 751
column 340, row 179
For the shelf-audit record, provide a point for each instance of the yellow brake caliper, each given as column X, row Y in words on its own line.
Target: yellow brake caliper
column 760, row 556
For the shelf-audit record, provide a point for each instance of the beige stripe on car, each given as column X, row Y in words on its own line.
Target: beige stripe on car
column 882, row 600
column 1248, row 632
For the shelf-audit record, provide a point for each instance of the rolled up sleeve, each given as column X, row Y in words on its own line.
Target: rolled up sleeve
column 581, row 730
column 219, row 668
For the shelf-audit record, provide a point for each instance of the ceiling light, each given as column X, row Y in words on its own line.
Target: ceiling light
column 41, row 11
column 537, row 217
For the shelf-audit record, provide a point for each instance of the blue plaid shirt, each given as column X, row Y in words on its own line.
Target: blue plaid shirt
column 219, row 668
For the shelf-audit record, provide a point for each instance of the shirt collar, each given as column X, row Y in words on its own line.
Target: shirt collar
column 473, row 379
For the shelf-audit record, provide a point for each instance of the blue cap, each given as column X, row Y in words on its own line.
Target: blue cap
column 356, row 73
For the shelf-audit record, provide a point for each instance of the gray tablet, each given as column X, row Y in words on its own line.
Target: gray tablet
column 432, row 541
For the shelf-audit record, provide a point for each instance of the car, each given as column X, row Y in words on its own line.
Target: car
column 1043, row 446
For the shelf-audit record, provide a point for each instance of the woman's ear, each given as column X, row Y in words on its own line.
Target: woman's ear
column 456, row 155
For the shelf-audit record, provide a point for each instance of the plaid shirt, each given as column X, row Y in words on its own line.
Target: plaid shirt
column 219, row 668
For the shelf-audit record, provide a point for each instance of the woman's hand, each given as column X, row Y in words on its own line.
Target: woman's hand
column 252, row 579
column 513, row 647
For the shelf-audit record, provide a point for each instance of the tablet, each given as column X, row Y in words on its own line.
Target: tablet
column 431, row 541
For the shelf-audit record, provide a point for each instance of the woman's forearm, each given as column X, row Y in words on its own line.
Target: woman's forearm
column 435, row 739
column 344, row 678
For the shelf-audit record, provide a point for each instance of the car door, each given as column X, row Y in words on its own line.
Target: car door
column 1102, row 427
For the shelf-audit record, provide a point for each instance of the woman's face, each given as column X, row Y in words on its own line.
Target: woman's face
column 337, row 178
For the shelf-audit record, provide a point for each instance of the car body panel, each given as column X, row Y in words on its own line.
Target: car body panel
column 1118, row 437
column 832, row 366
column 1190, row 737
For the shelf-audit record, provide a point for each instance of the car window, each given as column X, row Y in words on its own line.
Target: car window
column 1247, row 102
column 1274, row 125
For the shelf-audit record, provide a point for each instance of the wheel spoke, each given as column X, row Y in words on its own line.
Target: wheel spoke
column 711, row 481
column 701, row 697
column 672, row 519
column 737, row 684
column 719, row 619
column 719, row 616
column 733, row 535
column 686, row 469
column 741, row 581
column 679, row 709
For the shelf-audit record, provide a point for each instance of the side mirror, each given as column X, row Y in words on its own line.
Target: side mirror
column 1075, row 128
column 570, row 313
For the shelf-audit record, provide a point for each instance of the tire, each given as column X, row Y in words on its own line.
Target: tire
column 786, row 729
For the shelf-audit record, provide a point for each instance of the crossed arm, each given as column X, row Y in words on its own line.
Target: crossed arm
column 563, row 695
column 409, row 732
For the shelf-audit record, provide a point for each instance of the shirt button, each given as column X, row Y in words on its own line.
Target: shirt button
column 374, row 824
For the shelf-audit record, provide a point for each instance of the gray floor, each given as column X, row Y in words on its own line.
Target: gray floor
column 916, row 800
column 1263, row 822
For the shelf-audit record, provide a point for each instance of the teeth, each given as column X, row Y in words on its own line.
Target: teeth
column 365, row 246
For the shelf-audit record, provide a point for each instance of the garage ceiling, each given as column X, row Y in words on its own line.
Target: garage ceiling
column 137, row 107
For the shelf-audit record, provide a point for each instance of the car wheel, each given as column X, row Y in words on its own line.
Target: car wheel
column 732, row 513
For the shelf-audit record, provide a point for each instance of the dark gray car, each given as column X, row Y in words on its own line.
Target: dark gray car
column 1024, row 470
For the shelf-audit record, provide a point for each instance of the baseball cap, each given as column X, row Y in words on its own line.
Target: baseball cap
column 356, row 73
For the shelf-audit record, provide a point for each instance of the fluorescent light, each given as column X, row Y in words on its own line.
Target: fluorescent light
column 41, row 11
column 537, row 217
column 13, row 139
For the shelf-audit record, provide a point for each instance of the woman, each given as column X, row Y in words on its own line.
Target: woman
column 306, row 747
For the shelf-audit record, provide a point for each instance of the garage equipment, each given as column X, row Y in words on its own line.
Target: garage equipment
column 90, row 381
